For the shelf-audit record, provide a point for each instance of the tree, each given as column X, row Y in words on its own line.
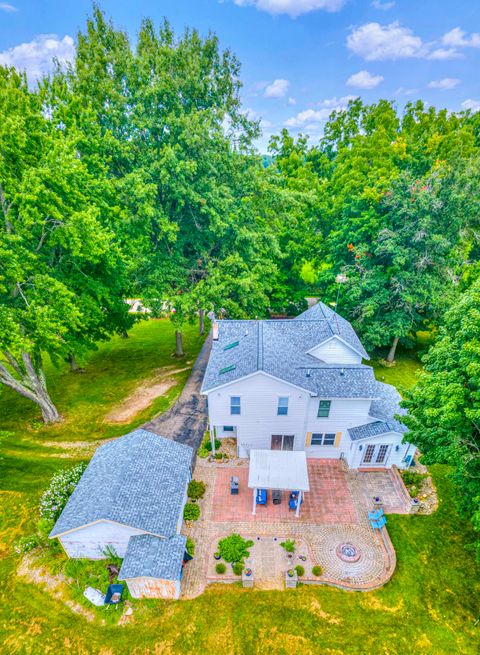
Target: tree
column 61, row 270
column 444, row 406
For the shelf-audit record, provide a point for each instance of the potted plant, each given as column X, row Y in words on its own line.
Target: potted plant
column 217, row 555
column 289, row 548
column 248, row 572
column 291, row 573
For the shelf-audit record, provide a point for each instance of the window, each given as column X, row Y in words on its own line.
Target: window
column 327, row 439
column 234, row 404
column 282, row 441
column 282, row 409
column 228, row 428
column 324, row 408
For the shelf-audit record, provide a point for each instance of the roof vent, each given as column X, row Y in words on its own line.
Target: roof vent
column 342, row 372
column 215, row 331
column 309, row 372
column 246, row 332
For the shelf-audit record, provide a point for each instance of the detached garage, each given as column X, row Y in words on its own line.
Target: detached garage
column 134, row 485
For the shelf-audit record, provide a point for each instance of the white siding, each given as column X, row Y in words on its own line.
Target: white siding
column 258, row 419
column 344, row 414
column 392, row 439
column 335, row 351
column 91, row 540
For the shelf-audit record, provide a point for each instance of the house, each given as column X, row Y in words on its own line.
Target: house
column 130, row 499
column 301, row 385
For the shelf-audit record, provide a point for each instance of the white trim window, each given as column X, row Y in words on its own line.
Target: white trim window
column 235, row 405
column 282, row 407
column 324, row 408
column 327, row 439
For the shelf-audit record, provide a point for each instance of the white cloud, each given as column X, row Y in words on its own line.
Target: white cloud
column 277, row 89
column 291, row 7
column 440, row 54
column 311, row 118
column 5, row 6
column 375, row 42
column 403, row 91
column 473, row 105
column 364, row 80
column 457, row 38
column 444, row 84
column 292, row 101
column 384, row 6
column 35, row 57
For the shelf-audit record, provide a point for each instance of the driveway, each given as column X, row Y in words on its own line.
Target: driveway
column 186, row 420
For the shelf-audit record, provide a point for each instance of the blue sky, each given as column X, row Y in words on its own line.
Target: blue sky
column 300, row 58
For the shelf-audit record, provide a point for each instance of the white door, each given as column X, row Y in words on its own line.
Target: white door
column 375, row 455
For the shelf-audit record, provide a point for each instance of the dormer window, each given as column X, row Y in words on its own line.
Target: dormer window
column 324, row 408
column 282, row 408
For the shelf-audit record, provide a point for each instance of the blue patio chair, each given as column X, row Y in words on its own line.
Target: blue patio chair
column 261, row 498
column 114, row 595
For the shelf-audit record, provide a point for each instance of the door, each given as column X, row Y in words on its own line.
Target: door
column 282, row 441
column 375, row 454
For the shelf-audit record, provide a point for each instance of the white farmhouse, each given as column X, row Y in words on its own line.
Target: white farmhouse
column 301, row 385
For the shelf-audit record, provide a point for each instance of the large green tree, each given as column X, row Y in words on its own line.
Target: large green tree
column 444, row 406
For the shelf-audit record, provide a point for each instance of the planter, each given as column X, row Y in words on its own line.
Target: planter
column 247, row 578
column 377, row 501
column 217, row 556
column 291, row 579
column 415, row 506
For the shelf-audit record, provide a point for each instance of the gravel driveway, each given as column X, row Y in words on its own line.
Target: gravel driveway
column 186, row 420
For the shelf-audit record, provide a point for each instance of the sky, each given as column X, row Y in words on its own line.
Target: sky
column 300, row 59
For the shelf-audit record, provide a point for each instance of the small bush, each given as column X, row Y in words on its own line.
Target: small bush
column 412, row 477
column 59, row 491
column 196, row 489
column 218, row 456
column 413, row 491
column 190, row 546
column 234, row 548
column 208, row 445
column 238, row 567
column 26, row 544
column 317, row 570
column 300, row 570
column 191, row 512
column 288, row 545
column 221, row 568
column 203, row 452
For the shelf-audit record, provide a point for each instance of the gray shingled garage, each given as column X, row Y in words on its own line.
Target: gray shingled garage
column 135, row 485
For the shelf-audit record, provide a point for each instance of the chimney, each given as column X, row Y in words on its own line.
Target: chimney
column 215, row 330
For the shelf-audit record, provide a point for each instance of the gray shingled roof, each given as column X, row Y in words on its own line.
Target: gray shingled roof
column 280, row 347
column 384, row 407
column 152, row 557
column 138, row 480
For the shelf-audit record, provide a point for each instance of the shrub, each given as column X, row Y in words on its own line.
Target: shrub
column 218, row 456
column 196, row 489
column 317, row 570
column 288, row 545
column 191, row 512
column 238, row 567
column 59, row 491
column 203, row 452
column 221, row 568
column 26, row 544
column 190, row 546
column 208, row 444
column 412, row 477
column 413, row 491
column 234, row 548
column 300, row 570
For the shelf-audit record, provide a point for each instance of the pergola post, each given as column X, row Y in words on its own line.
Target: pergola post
column 254, row 511
column 299, row 502
column 212, row 438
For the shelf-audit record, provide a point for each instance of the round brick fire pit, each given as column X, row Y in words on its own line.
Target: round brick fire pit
column 348, row 552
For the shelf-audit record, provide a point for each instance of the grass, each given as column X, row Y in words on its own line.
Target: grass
column 429, row 606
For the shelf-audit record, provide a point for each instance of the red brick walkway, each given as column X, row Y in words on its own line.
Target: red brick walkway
column 329, row 500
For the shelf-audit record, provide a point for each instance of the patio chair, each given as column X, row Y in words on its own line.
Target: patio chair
column 114, row 595
column 261, row 497
column 234, row 482
column 276, row 496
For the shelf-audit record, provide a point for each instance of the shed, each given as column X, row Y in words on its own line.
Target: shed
column 153, row 567
column 133, row 485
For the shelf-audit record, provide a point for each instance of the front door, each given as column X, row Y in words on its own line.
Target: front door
column 375, row 454
column 282, row 441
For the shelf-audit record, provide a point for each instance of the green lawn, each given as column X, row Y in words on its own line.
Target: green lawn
column 430, row 605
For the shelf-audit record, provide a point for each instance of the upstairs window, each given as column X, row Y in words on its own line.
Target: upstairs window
column 282, row 409
column 324, row 408
column 234, row 404
column 323, row 439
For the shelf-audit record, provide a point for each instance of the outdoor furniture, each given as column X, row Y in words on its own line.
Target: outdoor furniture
column 276, row 496
column 261, row 497
column 234, row 482
column 94, row 596
column 114, row 595
column 377, row 519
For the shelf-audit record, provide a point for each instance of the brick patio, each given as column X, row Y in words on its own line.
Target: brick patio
column 329, row 500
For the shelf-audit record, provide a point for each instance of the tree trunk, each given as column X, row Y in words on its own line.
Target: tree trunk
column 29, row 383
column 124, row 334
column 391, row 354
column 201, row 321
column 178, row 344
column 73, row 363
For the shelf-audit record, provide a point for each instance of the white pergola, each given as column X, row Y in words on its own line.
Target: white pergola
column 278, row 469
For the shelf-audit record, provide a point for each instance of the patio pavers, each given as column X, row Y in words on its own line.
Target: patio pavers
column 329, row 500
